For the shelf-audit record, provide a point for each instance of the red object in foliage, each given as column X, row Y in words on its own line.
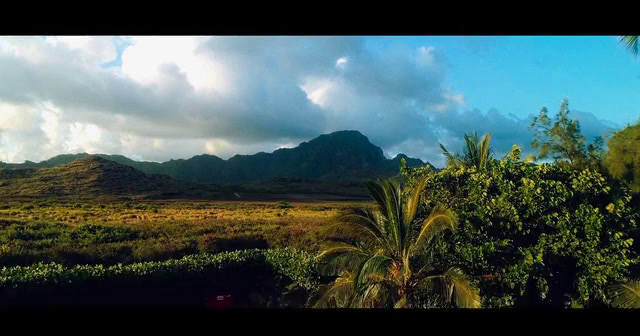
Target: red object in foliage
column 220, row 301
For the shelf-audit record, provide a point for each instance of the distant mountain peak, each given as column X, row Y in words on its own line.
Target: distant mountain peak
column 340, row 155
column 87, row 177
column 400, row 156
column 347, row 135
column 92, row 158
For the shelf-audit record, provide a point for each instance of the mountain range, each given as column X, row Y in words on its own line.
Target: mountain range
column 93, row 177
column 339, row 157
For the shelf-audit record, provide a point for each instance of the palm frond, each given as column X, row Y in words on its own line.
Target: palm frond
column 333, row 247
column 414, row 200
column 631, row 42
column 452, row 160
column 378, row 246
column 441, row 218
column 374, row 267
column 339, row 256
column 436, row 284
column 471, row 149
column 626, row 295
column 465, row 295
column 387, row 195
column 402, row 303
column 485, row 151
column 358, row 223
column 376, row 191
column 337, row 294
column 375, row 295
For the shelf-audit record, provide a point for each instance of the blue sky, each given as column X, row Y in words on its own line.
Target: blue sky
column 159, row 98
column 521, row 74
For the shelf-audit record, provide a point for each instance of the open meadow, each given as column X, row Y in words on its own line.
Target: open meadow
column 124, row 232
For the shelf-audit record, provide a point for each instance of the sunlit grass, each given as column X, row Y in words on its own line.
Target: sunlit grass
column 47, row 231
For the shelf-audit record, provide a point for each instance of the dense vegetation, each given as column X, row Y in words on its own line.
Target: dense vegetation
column 383, row 257
column 546, row 235
column 562, row 139
column 552, row 235
column 483, row 232
column 254, row 277
column 622, row 160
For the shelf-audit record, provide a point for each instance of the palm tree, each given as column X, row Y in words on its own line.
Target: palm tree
column 631, row 42
column 626, row 295
column 374, row 253
column 477, row 152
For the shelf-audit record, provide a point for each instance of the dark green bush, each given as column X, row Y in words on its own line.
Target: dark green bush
column 239, row 272
column 31, row 231
column 161, row 249
column 283, row 205
column 93, row 233
column 536, row 235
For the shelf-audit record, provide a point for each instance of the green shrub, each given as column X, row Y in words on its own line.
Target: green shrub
column 32, row 231
column 93, row 233
column 162, row 249
column 246, row 270
column 299, row 265
column 536, row 235
column 283, row 205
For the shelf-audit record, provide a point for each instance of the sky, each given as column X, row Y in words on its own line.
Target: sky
column 157, row 98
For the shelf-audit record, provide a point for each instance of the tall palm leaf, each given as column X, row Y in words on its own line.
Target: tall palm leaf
column 626, row 295
column 452, row 160
column 477, row 152
column 374, row 250
column 631, row 42
column 453, row 286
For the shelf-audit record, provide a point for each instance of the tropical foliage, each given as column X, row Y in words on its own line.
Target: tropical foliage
column 562, row 140
column 626, row 295
column 545, row 235
column 622, row 160
column 383, row 257
column 631, row 42
column 236, row 272
column 476, row 153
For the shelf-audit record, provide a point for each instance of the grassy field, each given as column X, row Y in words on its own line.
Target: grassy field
column 126, row 232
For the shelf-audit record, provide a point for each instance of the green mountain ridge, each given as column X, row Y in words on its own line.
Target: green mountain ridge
column 339, row 157
column 93, row 176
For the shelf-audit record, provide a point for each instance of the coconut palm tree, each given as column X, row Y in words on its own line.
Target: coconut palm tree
column 383, row 256
column 631, row 42
column 477, row 152
column 626, row 295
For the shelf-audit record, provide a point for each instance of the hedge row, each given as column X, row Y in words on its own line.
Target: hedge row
column 296, row 265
